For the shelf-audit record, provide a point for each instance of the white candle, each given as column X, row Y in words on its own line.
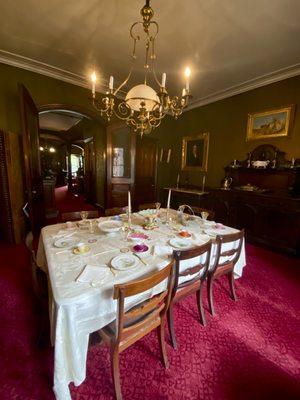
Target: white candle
column 183, row 92
column 169, row 199
column 129, row 202
column 187, row 85
column 163, row 80
column 203, row 183
column 187, row 74
column 93, row 78
column 111, row 83
column 177, row 180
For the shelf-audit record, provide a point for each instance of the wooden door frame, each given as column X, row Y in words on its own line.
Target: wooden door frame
column 26, row 99
column 110, row 180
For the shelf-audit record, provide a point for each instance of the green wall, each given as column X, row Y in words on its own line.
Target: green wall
column 44, row 91
column 226, row 121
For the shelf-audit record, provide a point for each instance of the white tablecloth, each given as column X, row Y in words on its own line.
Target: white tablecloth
column 79, row 309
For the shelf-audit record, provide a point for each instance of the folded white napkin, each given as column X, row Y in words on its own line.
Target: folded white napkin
column 93, row 274
column 161, row 250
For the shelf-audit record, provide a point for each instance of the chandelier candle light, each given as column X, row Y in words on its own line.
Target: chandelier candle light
column 143, row 108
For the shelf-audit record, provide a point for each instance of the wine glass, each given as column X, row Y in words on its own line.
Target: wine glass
column 204, row 215
column 125, row 230
column 84, row 215
column 157, row 206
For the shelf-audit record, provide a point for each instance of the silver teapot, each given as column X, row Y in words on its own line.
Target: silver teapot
column 226, row 183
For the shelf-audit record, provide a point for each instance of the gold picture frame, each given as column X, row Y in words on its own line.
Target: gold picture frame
column 195, row 152
column 270, row 124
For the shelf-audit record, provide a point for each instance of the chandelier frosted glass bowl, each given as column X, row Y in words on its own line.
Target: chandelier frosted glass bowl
column 143, row 108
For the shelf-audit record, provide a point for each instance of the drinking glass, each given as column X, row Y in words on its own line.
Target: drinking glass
column 204, row 215
column 125, row 230
column 84, row 215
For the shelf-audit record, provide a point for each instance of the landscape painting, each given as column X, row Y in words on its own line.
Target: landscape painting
column 269, row 124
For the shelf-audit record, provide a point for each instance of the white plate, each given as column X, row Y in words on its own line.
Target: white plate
column 179, row 243
column 110, row 226
column 124, row 261
column 65, row 242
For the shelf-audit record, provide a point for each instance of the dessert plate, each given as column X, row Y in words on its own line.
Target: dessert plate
column 180, row 243
column 124, row 261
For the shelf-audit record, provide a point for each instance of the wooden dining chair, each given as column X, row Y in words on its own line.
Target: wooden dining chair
column 75, row 215
column 40, row 290
column 109, row 212
column 138, row 321
column 195, row 275
column 147, row 206
column 234, row 242
column 199, row 210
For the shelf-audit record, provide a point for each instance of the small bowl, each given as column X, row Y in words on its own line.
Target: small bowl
column 140, row 248
column 185, row 234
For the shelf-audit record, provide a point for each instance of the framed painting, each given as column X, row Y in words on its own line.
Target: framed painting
column 269, row 124
column 195, row 152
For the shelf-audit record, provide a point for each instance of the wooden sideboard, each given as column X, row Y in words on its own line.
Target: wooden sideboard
column 271, row 218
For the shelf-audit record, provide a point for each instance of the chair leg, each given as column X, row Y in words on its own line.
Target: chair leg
column 231, row 284
column 162, row 344
column 200, row 305
column 171, row 326
column 114, row 354
column 210, row 294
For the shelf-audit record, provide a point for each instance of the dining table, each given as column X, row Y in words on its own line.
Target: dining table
column 83, row 262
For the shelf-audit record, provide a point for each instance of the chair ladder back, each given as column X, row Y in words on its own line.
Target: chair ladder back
column 110, row 212
column 235, row 252
column 180, row 255
column 147, row 206
column 75, row 215
column 136, row 317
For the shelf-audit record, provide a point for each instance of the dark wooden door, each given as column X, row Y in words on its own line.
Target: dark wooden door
column 33, row 176
column 145, row 170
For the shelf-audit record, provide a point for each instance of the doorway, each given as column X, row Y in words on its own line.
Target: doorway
column 70, row 144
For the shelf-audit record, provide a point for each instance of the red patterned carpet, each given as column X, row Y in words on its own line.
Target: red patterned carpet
column 67, row 201
column 249, row 350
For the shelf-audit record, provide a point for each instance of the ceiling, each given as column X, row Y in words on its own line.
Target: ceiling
column 231, row 45
column 58, row 121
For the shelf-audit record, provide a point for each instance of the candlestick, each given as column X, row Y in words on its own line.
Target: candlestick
column 163, row 80
column 111, row 83
column 169, row 199
column 203, row 182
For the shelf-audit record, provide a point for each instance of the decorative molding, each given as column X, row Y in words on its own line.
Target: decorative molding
column 39, row 67
column 251, row 84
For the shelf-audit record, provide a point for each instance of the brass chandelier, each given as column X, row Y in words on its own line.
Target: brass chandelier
column 143, row 108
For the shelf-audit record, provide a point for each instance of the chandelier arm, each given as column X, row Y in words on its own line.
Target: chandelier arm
column 125, row 81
